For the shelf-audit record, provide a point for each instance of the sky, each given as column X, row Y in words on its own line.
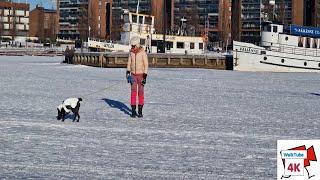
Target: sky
column 46, row 3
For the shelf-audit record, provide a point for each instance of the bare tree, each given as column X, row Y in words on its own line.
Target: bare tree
column 193, row 18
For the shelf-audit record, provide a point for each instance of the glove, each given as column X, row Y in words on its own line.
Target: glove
column 129, row 77
column 144, row 81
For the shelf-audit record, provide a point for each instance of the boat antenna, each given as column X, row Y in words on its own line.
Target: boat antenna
column 272, row 3
column 164, row 28
column 138, row 7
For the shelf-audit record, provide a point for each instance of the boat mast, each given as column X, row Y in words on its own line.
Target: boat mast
column 137, row 11
column 164, row 25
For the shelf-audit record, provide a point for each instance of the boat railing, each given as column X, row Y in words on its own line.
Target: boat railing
column 299, row 51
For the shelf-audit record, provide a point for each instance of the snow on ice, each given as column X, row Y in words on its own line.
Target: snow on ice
column 198, row 123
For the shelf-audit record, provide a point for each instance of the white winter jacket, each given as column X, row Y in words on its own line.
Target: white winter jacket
column 138, row 62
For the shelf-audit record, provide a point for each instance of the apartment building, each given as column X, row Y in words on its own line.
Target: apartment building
column 14, row 19
column 215, row 15
column 43, row 24
column 80, row 19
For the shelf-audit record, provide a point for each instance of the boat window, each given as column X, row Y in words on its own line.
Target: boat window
column 307, row 45
column 169, row 45
column 200, row 45
column 134, row 18
column 142, row 41
column 154, row 42
column 148, row 20
column 300, row 42
column 192, row 45
column 267, row 28
column 263, row 52
column 140, row 19
column 275, row 29
column 180, row 45
column 315, row 43
column 126, row 18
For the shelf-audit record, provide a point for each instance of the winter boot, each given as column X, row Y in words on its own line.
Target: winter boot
column 133, row 110
column 140, row 111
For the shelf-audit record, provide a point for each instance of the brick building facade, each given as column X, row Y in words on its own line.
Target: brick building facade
column 14, row 19
column 43, row 24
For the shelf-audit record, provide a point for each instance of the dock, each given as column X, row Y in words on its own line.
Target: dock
column 119, row 60
column 31, row 52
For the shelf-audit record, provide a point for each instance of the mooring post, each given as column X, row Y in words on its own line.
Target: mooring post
column 101, row 59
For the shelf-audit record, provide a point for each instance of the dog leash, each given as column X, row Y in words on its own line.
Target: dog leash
column 101, row 90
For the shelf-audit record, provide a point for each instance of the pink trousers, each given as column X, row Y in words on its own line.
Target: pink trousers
column 137, row 89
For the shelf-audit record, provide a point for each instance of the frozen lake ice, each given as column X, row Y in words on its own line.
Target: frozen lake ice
column 198, row 123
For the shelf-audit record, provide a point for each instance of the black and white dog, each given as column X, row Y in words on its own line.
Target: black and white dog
column 68, row 105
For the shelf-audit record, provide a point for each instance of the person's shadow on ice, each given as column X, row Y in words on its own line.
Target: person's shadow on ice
column 119, row 105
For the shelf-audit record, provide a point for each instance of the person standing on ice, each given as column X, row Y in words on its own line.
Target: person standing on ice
column 137, row 69
column 67, row 55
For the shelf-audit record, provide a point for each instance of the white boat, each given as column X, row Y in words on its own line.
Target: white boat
column 297, row 50
column 142, row 25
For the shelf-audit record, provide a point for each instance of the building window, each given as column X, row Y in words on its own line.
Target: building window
column 180, row 45
column 192, row 45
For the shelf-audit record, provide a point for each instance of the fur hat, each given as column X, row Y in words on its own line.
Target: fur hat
column 135, row 41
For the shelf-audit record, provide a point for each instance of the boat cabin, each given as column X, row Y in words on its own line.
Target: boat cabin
column 273, row 35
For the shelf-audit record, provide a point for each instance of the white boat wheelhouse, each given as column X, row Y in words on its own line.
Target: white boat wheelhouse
column 142, row 25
